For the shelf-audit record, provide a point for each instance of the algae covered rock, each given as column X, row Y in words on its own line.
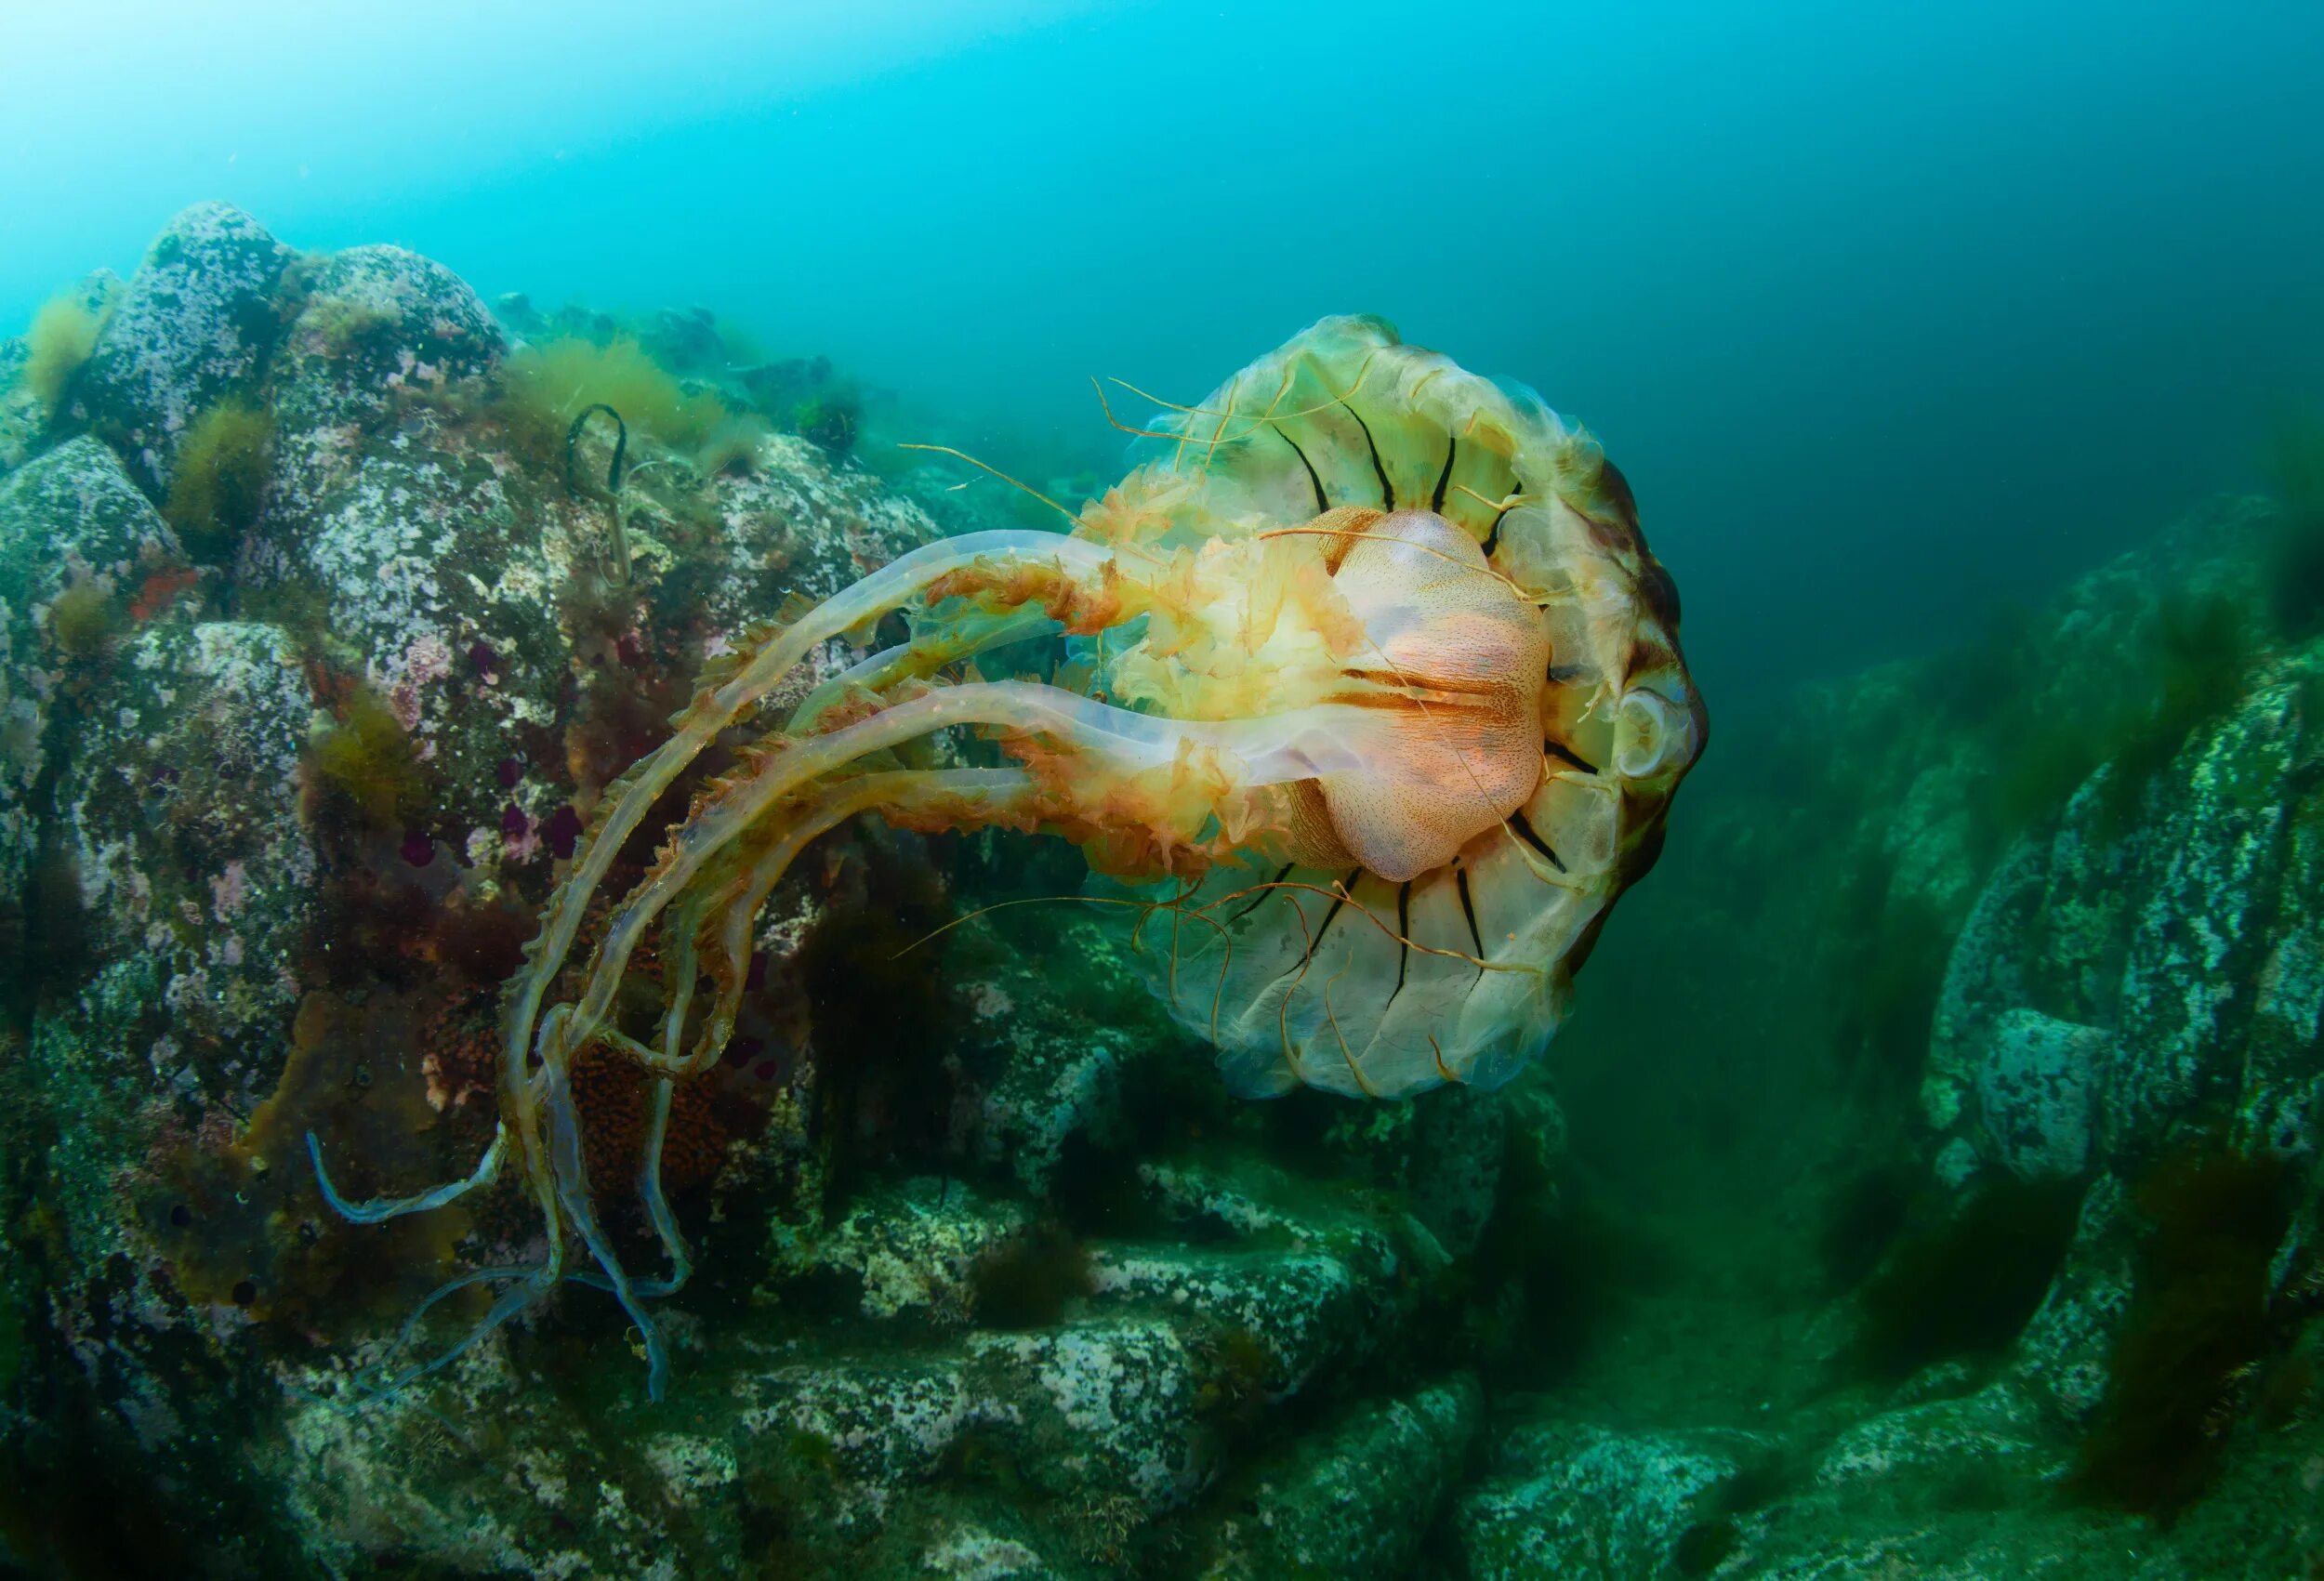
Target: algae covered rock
column 181, row 811
column 40, row 368
column 22, row 413
column 195, row 327
column 79, row 546
column 2034, row 1092
column 794, row 522
column 1355, row 1497
column 178, row 815
column 1572, row 1498
column 377, row 326
column 432, row 582
column 909, row 1252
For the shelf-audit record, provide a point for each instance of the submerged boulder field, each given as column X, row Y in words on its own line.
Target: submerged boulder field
column 1988, row 1019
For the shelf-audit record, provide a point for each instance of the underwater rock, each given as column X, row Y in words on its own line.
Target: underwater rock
column 1105, row 1406
column 78, row 546
column 38, row 368
column 2035, row 1092
column 1571, row 1498
column 362, row 1490
column 795, row 522
column 166, row 1018
column 375, row 325
column 2062, row 1356
column 428, row 556
column 778, row 387
column 685, row 340
column 1446, row 1156
column 913, row 1249
column 180, row 809
column 968, row 1552
column 23, row 416
column 1271, row 1319
column 1353, row 1499
column 1055, row 1094
column 197, row 322
column 177, row 810
column 1927, row 1446
column 2176, row 941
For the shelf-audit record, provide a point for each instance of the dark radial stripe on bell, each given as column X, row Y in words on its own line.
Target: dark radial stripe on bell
column 1436, row 500
column 1558, row 749
column 1266, row 892
column 1526, row 831
column 1403, row 936
column 1386, row 494
column 1322, row 502
column 1493, row 539
column 1469, row 910
column 1347, row 888
column 1561, row 674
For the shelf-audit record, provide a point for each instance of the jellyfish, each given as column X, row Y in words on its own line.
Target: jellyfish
column 1380, row 707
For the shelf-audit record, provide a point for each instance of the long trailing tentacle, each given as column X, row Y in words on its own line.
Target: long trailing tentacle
column 714, row 708
column 380, row 1208
column 732, row 895
column 573, row 1190
column 1269, row 750
column 917, row 660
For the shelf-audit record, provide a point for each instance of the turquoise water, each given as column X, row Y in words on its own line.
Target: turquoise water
column 1888, row 316
column 618, row 959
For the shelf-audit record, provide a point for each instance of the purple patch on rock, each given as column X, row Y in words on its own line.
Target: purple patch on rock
column 563, row 831
column 418, row 849
column 743, row 1050
column 514, row 824
column 509, row 771
column 481, row 654
column 755, row 978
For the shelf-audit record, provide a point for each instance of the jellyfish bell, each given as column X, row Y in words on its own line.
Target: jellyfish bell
column 1384, row 707
column 1533, row 719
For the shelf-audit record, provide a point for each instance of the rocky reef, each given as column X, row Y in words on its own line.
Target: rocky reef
column 1928, row 1186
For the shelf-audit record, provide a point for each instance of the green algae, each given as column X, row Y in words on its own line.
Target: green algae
column 2203, row 650
column 832, row 421
column 220, row 482
column 2198, row 1320
column 1029, row 1280
column 366, row 762
column 60, row 338
column 552, row 384
column 1965, row 1285
column 84, row 619
column 2295, row 468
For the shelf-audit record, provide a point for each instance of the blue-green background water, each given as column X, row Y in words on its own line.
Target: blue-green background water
column 1888, row 312
column 1925, row 1183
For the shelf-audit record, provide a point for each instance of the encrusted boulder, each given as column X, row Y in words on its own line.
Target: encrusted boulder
column 177, row 814
column 908, row 1251
column 2035, row 1091
column 1992, row 1432
column 1574, row 1498
column 377, row 326
column 434, row 575
column 795, row 522
column 180, row 809
column 196, row 324
column 1354, row 1498
column 23, row 416
column 83, row 557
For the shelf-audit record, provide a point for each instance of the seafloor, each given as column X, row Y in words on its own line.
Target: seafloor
column 1928, row 1186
